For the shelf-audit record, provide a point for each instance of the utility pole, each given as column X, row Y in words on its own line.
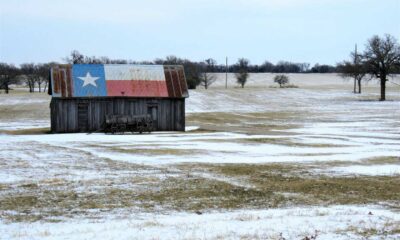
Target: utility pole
column 226, row 74
column 355, row 64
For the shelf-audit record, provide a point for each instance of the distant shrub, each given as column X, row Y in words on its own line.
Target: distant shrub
column 281, row 79
column 243, row 74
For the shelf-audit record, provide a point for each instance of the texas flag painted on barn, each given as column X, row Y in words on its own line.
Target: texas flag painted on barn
column 92, row 80
column 119, row 80
column 140, row 81
column 89, row 80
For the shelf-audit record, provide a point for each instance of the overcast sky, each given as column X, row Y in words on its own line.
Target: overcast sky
column 314, row 31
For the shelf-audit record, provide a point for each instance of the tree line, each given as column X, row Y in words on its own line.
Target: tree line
column 280, row 67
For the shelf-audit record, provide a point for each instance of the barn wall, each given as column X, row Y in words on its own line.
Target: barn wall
column 88, row 114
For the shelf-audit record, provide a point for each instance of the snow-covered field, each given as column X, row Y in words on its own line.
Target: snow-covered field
column 255, row 163
column 335, row 222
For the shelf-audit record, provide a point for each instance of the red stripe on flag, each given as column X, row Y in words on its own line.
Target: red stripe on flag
column 136, row 88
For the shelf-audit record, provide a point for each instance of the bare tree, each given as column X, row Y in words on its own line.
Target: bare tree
column 36, row 75
column 243, row 74
column 382, row 58
column 281, row 79
column 172, row 60
column 206, row 76
column 43, row 71
column 31, row 75
column 75, row 58
column 355, row 69
column 304, row 67
column 8, row 76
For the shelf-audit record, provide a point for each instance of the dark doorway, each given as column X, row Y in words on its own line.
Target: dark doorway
column 152, row 110
column 83, row 117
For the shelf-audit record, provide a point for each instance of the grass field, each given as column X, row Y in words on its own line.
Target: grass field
column 256, row 163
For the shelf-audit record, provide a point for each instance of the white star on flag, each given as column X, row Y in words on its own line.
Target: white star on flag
column 88, row 79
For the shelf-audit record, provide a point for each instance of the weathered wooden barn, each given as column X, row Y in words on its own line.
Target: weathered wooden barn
column 83, row 94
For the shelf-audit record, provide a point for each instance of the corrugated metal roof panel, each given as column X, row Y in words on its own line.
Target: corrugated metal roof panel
column 176, row 81
column 61, row 81
column 183, row 83
column 98, row 80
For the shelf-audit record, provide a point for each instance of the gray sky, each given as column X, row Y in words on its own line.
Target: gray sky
column 314, row 31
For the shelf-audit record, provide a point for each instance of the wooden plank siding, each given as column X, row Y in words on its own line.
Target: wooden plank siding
column 68, row 116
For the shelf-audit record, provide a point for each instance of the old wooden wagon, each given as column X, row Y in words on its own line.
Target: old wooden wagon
column 84, row 96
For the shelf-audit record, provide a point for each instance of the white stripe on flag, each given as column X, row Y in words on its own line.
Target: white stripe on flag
column 134, row 72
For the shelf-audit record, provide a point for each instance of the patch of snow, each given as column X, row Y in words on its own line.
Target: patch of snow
column 372, row 170
column 26, row 124
column 218, row 147
column 21, row 101
column 191, row 128
column 10, row 178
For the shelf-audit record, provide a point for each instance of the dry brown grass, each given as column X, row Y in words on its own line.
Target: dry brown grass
column 362, row 162
column 28, row 131
column 390, row 228
column 318, row 189
column 272, row 186
column 156, row 151
column 288, row 142
column 36, row 110
column 257, row 122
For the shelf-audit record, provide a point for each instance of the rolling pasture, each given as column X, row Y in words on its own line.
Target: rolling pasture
column 260, row 162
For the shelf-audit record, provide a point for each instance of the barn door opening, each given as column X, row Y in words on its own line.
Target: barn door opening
column 83, row 117
column 152, row 110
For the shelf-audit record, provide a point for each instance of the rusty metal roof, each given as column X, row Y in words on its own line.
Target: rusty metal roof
column 118, row 80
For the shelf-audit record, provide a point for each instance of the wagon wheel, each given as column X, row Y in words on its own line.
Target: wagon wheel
column 108, row 129
column 130, row 128
column 139, row 126
column 141, row 129
column 150, row 126
column 136, row 127
column 122, row 128
column 113, row 128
